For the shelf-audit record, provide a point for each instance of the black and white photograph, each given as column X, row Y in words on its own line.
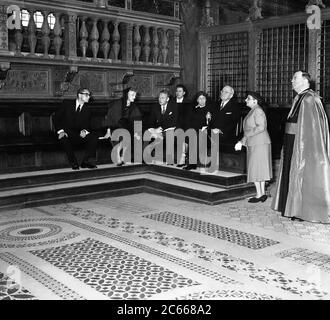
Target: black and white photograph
column 165, row 154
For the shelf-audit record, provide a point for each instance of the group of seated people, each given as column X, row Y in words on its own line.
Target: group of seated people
column 73, row 124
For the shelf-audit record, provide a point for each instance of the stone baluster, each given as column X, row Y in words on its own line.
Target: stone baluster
column 45, row 30
column 94, row 36
column 32, row 37
column 155, row 45
column 146, row 43
column 164, row 45
column 105, row 37
column 83, row 33
column 57, row 35
column 115, row 41
column 18, row 37
column 137, row 43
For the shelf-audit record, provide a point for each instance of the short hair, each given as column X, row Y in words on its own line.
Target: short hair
column 165, row 91
column 181, row 86
column 306, row 75
column 81, row 90
column 126, row 91
column 231, row 88
column 201, row 93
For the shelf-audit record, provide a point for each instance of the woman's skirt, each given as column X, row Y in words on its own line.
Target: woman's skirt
column 259, row 163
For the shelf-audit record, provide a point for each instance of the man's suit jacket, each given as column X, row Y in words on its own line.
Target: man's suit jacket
column 168, row 120
column 226, row 119
column 68, row 119
column 183, row 110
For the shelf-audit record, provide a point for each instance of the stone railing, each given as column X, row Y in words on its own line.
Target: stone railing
column 85, row 33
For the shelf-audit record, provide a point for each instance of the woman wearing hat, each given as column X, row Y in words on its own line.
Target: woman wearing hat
column 256, row 140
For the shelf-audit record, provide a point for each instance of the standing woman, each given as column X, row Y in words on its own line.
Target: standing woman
column 122, row 114
column 256, row 140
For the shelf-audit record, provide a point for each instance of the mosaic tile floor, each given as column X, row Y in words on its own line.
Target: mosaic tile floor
column 151, row 247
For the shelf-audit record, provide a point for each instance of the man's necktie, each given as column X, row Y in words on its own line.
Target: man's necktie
column 222, row 105
column 163, row 110
column 79, row 108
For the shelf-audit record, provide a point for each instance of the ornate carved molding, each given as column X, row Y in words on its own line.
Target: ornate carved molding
column 68, row 78
column 4, row 68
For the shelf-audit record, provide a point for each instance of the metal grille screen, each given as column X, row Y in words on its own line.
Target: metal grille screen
column 281, row 52
column 228, row 63
column 325, row 62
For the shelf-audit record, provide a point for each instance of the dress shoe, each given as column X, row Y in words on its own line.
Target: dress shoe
column 296, row 219
column 88, row 165
column 263, row 198
column 190, row 167
column 254, row 200
column 119, row 164
column 180, row 165
column 75, row 167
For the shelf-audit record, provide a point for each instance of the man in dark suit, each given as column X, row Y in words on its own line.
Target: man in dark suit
column 225, row 116
column 183, row 105
column 73, row 126
column 163, row 117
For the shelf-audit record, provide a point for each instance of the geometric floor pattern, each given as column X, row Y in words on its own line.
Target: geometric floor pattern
column 11, row 290
column 111, row 271
column 241, row 238
column 146, row 246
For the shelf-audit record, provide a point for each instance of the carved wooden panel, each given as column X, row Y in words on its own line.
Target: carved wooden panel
column 143, row 83
column 26, row 82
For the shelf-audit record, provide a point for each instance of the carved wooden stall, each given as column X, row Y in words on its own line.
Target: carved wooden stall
column 262, row 55
column 62, row 45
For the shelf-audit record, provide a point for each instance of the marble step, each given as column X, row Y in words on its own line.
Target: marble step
column 56, row 176
column 83, row 189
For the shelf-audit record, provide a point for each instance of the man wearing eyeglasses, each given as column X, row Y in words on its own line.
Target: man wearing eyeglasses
column 73, row 126
column 225, row 115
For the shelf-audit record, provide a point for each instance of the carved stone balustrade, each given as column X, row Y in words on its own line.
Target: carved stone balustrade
column 94, row 35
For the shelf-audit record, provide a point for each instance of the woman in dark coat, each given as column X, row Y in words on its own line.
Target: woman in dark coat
column 122, row 114
column 197, row 118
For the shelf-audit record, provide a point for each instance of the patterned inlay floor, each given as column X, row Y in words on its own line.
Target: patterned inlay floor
column 113, row 272
column 235, row 236
column 145, row 246
column 11, row 290
column 305, row 256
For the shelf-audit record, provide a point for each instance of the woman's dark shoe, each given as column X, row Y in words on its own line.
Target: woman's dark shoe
column 180, row 165
column 254, row 200
column 263, row 198
column 296, row 219
column 119, row 164
column 190, row 167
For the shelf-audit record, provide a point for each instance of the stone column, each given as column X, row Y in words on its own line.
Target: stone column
column 70, row 40
column 3, row 30
column 126, row 42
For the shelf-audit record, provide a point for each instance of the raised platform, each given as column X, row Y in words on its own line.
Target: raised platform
column 19, row 190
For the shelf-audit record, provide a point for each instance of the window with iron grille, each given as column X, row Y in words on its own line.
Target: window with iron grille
column 228, row 64
column 281, row 52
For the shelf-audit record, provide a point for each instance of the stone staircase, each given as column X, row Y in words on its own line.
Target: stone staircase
column 19, row 190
